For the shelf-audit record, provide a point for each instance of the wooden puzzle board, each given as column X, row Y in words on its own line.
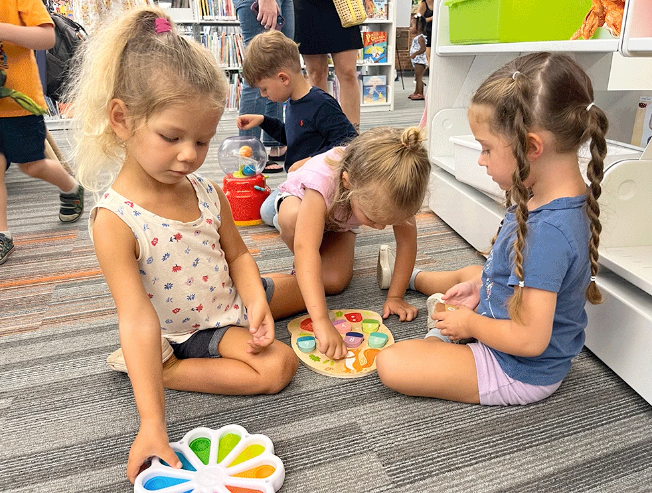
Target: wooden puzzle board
column 358, row 362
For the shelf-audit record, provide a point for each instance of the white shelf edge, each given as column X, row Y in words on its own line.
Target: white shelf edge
column 447, row 163
column 578, row 46
column 640, row 45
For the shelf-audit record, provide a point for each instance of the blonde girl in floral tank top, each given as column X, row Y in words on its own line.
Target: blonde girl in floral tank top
column 193, row 313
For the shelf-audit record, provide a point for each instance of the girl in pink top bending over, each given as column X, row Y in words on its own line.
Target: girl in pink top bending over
column 379, row 179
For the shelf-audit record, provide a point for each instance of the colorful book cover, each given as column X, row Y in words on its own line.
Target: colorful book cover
column 374, row 89
column 374, row 48
column 376, row 9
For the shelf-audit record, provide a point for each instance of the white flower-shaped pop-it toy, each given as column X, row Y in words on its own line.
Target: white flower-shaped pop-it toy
column 228, row 460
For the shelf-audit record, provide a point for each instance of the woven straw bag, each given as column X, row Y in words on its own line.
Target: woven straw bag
column 351, row 12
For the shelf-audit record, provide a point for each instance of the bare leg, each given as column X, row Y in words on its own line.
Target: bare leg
column 3, row 194
column 431, row 282
column 317, row 68
column 430, row 368
column 287, row 299
column 50, row 171
column 346, row 71
column 337, row 263
column 419, row 69
column 236, row 372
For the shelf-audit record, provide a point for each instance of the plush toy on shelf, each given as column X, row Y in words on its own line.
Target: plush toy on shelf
column 243, row 159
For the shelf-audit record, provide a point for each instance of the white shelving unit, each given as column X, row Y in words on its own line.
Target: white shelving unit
column 636, row 37
column 387, row 69
column 620, row 329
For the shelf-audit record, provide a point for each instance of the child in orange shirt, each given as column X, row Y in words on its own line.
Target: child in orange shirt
column 25, row 25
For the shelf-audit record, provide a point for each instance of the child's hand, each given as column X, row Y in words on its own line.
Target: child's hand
column 329, row 340
column 245, row 122
column 463, row 294
column 152, row 440
column 261, row 327
column 454, row 323
column 398, row 306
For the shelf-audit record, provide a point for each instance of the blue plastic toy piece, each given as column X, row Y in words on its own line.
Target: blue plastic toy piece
column 306, row 344
column 160, row 482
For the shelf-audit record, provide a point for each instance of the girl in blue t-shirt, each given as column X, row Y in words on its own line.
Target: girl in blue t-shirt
column 525, row 307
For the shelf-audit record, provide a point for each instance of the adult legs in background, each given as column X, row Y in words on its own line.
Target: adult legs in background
column 345, row 69
column 250, row 100
column 317, row 68
column 346, row 72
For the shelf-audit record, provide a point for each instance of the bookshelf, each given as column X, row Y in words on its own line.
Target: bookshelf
column 384, row 69
column 208, row 20
column 625, row 247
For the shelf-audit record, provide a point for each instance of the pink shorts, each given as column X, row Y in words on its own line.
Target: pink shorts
column 496, row 388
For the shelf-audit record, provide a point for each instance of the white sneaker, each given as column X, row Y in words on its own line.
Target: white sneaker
column 434, row 303
column 385, row 267
column 116, row 359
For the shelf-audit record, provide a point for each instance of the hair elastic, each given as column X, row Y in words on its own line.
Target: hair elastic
column 515, row 74
column 593, row 279
column 521, row 284
column 590, row 106
column 162, row 25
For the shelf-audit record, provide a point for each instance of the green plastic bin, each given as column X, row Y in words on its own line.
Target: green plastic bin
column 509, row 21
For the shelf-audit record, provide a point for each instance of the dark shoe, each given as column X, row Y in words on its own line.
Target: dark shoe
column 279, row 159
column 6, row 247
column 272, row 167
column 72, row 206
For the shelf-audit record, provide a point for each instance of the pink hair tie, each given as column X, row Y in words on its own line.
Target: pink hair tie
column 162, row 25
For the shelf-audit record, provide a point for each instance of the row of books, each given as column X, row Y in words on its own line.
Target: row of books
column 235, row 91
column 226, row 44
column 217, row 9
column 56, row 110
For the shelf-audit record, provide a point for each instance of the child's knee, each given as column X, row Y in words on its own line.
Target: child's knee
column 33, row 168
column 385, row 366
column 285, row 362
column 336, row 281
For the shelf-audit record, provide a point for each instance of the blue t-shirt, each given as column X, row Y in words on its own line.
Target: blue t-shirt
column 555, row 258
column 314, row 124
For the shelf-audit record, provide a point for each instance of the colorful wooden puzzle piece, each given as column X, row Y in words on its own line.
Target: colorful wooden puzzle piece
column 364, row 335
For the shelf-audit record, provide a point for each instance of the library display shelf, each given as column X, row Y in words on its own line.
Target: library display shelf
column 620, row 329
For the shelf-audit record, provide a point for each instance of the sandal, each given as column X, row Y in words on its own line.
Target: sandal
column 416, row 97
column 272, row 167
column 280, row 158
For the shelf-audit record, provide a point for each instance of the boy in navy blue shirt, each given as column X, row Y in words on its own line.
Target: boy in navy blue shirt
column 314, row 121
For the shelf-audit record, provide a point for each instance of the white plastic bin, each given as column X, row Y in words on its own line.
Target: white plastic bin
column 467, row 170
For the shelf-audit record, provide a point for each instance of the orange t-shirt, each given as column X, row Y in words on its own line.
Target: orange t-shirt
column 22, row 72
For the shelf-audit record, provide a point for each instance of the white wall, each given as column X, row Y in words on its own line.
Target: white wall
column 403, row 13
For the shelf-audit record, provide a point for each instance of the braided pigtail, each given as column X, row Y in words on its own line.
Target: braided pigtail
column 519, row 192
column 597, row 128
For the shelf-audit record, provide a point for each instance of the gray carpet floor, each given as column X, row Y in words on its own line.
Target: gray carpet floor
column 67, row 421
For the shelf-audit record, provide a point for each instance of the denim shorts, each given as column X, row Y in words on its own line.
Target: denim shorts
column 496, row 388
column 202, row 344
column 22, row 139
